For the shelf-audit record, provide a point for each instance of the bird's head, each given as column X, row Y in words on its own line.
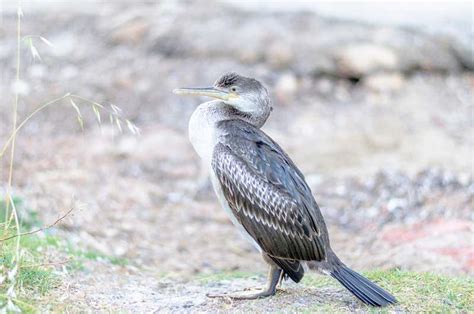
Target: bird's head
column 245, row 94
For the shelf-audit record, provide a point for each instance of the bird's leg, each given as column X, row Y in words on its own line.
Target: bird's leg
column 280, row 280
column 274, row 275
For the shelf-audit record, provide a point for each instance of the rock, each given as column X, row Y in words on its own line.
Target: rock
column 384, row 133
column 279, row 55
column 123, row 83
column 37, row 70
column 65, row 44
column 131, row 32
column 21, row 87
column 127, row 146
column 286, row 87
column 446, row 241
column 69, row 72
column 385, row 82
column 305, row 43
column 363, row 59
column 464, row 53
column 248, row 56
column 324, row 85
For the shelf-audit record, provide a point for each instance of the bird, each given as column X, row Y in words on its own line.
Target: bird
column 263, row 192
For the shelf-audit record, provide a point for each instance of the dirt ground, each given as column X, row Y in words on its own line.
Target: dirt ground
column 388, row 155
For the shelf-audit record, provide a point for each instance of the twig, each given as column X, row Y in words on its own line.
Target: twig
column 47, row 264
column 39, row 229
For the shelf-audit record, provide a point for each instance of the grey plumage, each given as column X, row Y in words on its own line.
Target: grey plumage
column 267, row 193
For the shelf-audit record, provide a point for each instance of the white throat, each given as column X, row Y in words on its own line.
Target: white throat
column 202, row 128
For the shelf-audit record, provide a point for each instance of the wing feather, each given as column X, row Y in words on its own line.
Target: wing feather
column 268, row 194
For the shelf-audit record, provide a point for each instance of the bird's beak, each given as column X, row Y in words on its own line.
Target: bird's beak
column 206, row 91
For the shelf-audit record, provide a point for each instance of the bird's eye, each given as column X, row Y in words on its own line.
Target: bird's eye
column 233, row 89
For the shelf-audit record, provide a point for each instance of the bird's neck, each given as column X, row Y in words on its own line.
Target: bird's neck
column 254, row 110
column 202, row 125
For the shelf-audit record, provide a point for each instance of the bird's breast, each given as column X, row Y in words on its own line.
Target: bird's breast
column 201, row 130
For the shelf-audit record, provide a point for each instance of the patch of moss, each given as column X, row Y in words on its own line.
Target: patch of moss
column 94, row 255
column 421, row 292
column 416, row 292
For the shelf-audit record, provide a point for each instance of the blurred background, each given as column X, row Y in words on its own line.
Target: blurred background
column 372, row 100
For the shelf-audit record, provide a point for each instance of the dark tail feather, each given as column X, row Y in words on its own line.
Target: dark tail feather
column 365, row 290
column 292, row 269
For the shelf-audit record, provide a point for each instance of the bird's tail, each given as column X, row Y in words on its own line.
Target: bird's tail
column 364, row 289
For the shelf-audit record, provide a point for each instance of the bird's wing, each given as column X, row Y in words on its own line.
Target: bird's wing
column 267, row 193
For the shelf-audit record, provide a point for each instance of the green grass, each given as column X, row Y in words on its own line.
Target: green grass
column 422, row 292
column 28, row 218
column 80, row 255
column 416, row 292
column 35, row 279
